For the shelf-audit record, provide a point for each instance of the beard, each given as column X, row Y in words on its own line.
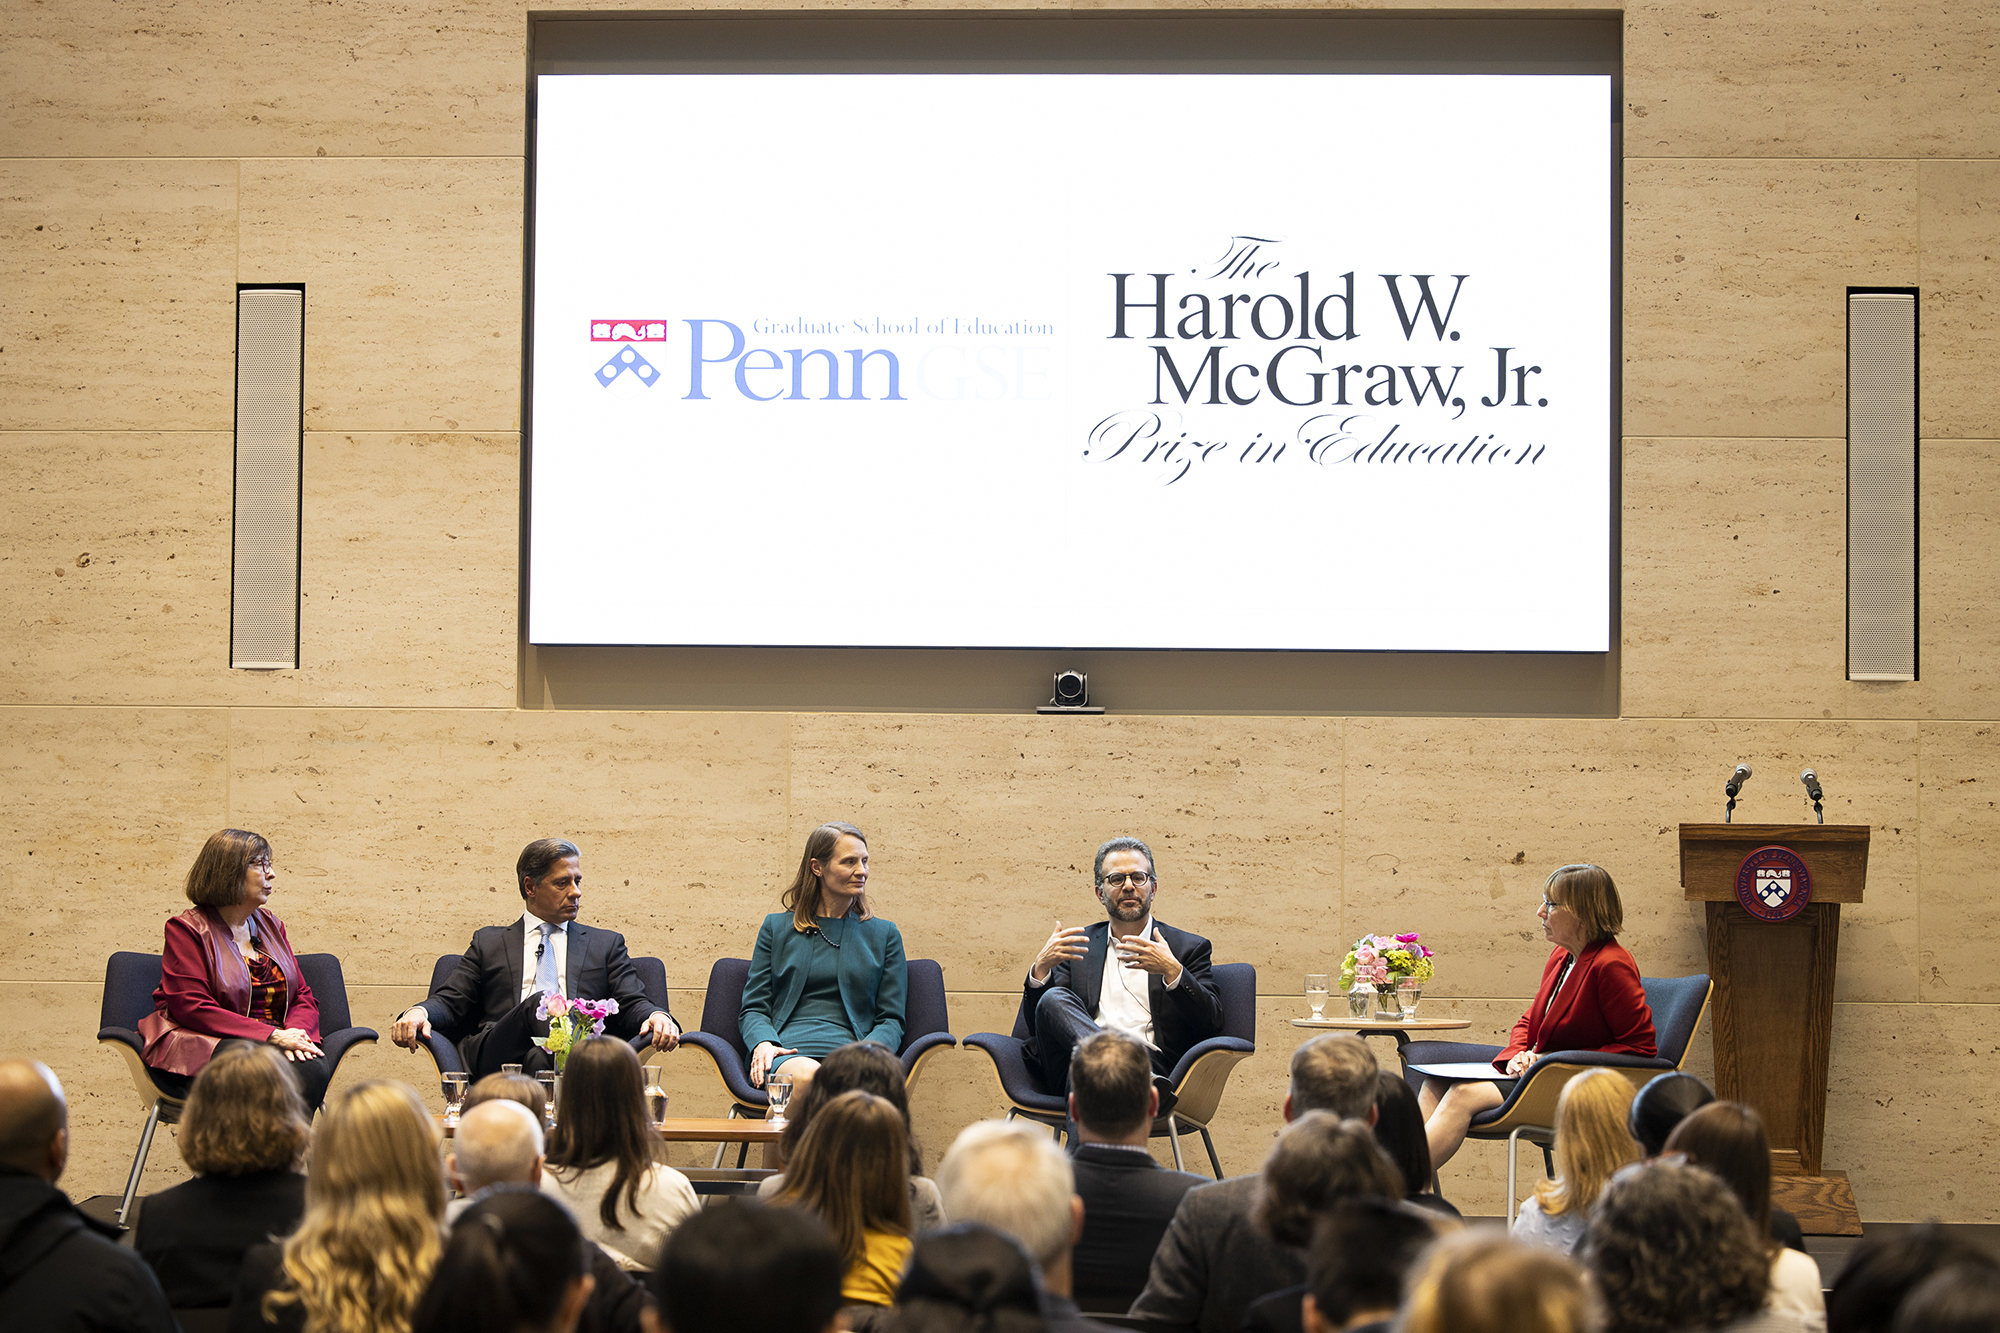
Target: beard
column 1128, row 912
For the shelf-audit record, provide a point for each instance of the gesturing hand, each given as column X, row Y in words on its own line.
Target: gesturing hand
column 1148, row 953
column 1063, row 946
column 760, row 1060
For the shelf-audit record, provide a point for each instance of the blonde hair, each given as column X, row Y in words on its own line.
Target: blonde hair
column 1478, row 1282
column 802, row 895
column 372, row 1231
column 1592, row 1141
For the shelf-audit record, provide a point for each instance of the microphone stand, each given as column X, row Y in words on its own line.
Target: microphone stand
column 1818, row 813
column 1729, row 810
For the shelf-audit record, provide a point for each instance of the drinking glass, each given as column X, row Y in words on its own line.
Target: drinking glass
column 1359, row 1000
column 656, row 1098
column 454, row 1095
column 551, row 1083
column 510, row 1069
column 1316, row 991
column 1408, row 991
column 779, row 1088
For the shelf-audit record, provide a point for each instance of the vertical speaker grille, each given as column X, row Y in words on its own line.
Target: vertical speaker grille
column 264, row 585
column 1882, row 486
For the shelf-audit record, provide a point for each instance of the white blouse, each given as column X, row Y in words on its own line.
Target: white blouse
column 665, row 1199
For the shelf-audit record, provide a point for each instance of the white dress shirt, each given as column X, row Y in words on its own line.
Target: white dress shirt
column 531, row 938
column 1124, row 994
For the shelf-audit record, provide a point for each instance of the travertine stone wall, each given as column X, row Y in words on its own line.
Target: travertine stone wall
column 154, row 154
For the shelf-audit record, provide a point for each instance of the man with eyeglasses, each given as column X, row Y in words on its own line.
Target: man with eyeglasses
column 1128, row 973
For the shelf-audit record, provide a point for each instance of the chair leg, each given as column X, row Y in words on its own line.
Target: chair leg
column 1513, row 1168
column 723, row 1146
column 1174, row 1137
column 1214, row 1162
column 139, row 1162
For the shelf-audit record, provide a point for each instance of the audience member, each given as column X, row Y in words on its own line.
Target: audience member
column 514, row 1088
column 1318, row 1161
column 1672, row 1252
column 1728, row 1138
column 60, row 1269
column 244, row 1134
column 1591, row 1145
column 745, row 1267
column 1128, row 1198
column 1362, row 1251
column 1212, row 1262
column 869, row 1067
column 1960, row 1299
column 1480, row 1282
column 1399, row 1128
column 1013, row 1178
column 969, row 1279
column 1663, row 1103
column 602, row 1157
column 499, row 1142
column 1880, row 1273
column 372, row 1230
column 853, row 1170
column 515, row 1263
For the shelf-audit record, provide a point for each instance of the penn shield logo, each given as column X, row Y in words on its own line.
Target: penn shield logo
column 627, row 358
column 1773, row 884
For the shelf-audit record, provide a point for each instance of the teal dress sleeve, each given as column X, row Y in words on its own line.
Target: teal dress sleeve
column 892, row 987
column 756, row 1023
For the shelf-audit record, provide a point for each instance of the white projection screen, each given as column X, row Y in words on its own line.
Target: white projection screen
column 1262, row 360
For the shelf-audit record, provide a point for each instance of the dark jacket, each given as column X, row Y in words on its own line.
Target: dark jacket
column 1213, row 1262
column 1189, row 1013
column 486, row 984
column 1128, row 1200
column 195, row 1234
column 263, row 1271
column 61, row 1272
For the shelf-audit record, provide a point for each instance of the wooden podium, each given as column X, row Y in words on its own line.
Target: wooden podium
column 1773, row 1025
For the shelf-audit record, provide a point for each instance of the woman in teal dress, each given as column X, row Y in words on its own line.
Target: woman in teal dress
column 827, row 970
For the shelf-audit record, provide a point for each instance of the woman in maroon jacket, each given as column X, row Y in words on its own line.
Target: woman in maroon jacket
column 1590, row 999
column 228, row 972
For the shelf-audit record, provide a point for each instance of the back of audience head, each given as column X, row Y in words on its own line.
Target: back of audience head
column 1008, row 1176
column 852, row 1168
column 1479, row 1282
column 604, row 1119
column 1880, row 1273
column 499, row 1142
column 1111, row 1086
column 1662, row 1104
column 516, row 1263
column 741, row 1266
column 1672, row 1249
column 1964, row 1298
column 1399, row 1128
column 244, row 1114
column 1591, row 1141
column 862, row 1066
column 509, row 1087
column 34, row 1119
column 1318, row 1160
column 1333, row 1073
column 1728, row 1139
column 1362, row 1250
column 968, row 1278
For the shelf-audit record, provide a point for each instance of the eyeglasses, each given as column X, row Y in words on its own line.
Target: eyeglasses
column 261, row 863
column 1548, row 906
column 1138, row 879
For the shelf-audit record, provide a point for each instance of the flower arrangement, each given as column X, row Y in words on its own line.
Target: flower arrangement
column 1383, row 960
column 570, row 1021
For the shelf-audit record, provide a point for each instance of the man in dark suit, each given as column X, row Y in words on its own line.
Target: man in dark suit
column 1128, row 973
column 487, row 1005
column 1213, row 1262
column 1128, row 1198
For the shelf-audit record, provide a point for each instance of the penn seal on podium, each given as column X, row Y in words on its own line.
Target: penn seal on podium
column 1773, row 884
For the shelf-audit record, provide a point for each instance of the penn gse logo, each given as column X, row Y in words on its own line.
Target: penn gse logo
column 1773, row 884
column 626, row 358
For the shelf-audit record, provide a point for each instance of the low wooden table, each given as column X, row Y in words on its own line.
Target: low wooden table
column 711, row 1181
column 1399, row 1028
column 700, row 1129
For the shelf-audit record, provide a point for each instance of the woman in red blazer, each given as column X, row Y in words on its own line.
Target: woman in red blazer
column 228, row 972
column 1590, row 999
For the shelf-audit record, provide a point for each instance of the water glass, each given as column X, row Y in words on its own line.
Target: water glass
column 551, row 1084
column 1408, row 991
column 1316, row 991
column 656, row 1098
column 510, row 1069
column 778, row 1087
column 1359, row 1000
column 454, row 1094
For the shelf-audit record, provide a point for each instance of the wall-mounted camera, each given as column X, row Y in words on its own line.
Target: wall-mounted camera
column 1072, row 695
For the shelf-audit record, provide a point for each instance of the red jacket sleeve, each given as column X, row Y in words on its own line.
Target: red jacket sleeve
column 1523, row 1035
column 304, row 1013
column 190, row 995
column 1621, row 1000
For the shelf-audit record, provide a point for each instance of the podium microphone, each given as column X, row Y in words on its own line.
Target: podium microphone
column 1732, row 787
column 1811, row 779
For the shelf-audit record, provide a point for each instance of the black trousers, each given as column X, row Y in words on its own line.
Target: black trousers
column 313, row 1076
column 509, row 1041
column 1061, row 1022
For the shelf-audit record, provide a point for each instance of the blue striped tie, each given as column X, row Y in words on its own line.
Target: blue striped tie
column 546, row 978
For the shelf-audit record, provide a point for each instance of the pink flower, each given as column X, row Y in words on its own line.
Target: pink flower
column 1411, row 938
column 1364, row 955
column 552, row 1005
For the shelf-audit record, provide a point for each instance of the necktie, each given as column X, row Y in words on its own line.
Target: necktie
column 547, row 980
